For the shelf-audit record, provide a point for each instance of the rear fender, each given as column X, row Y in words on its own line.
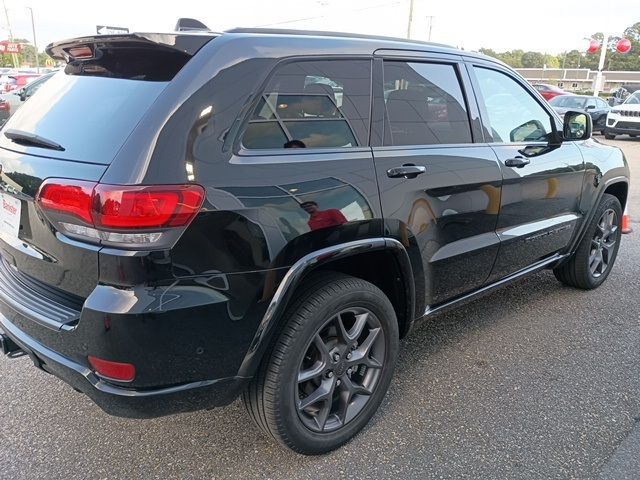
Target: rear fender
column 271, row 322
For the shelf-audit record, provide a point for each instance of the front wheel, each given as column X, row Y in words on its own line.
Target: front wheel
column 609, row 136
column 330, row 367
column 593, row 260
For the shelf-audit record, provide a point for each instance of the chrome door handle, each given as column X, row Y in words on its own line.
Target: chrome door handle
column 406, row 171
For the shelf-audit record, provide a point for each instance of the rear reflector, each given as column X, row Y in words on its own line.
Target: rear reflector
column 121, row 372
column 119, row 214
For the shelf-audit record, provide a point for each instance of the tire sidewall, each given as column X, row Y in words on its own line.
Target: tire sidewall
column 286, row 375
column 607, row 202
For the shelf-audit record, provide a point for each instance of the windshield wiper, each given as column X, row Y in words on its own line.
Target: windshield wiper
column 31, row 140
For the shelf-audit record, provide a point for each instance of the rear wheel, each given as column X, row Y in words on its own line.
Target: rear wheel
column 592, row 262
column 330, row 367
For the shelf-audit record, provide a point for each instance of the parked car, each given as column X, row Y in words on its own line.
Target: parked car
column 594, row 106
column 18, row 81
column 625, row 118
column 200, row 216
column 620, row 94
column 5, row 110
column 549, row 91
column 17, row 98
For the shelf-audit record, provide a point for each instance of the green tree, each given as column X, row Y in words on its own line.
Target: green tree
column 551, row 61
column 532, row 60
column 578, row 59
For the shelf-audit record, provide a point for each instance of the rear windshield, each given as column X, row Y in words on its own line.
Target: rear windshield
column 89, row 116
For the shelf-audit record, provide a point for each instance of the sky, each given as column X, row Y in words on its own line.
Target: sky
column 541, row 25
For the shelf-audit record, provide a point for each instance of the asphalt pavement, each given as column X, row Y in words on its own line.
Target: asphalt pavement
column 536, row 381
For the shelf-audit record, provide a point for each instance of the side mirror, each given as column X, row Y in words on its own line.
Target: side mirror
column 23, row 94
column 577, row 126
column 591, row 107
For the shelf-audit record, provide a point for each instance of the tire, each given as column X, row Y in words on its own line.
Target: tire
column 578, row 271
column 275, row 398
column 609, row 136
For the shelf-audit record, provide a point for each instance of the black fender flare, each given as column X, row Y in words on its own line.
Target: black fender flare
column 296, row 274
column 587, row 219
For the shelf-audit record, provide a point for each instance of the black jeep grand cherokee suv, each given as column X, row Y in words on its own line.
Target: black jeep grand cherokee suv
column 189, row 217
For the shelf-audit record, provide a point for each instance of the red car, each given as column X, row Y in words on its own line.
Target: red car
column 16, row 82
column 549, row 91
column 5, row 110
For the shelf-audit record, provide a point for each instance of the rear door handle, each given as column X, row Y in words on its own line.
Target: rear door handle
column 517, row 162
column 407, row 170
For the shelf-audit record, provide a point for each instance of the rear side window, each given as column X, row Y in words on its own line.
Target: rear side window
column 424, row 104
column 313, row 104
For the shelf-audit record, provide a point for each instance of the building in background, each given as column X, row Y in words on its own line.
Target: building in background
column 579, row 79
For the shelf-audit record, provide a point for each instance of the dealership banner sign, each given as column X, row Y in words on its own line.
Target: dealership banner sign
column 10, row 47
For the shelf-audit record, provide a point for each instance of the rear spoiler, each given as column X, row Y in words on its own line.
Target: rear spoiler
column 84, row 47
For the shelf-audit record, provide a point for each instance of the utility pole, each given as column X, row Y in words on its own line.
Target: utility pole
column 430, row 17
column 410, row 19
column 14, row 57
column 35, row 42
column 603, row 52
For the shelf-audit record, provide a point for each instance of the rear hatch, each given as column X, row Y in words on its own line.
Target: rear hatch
column 72, row 128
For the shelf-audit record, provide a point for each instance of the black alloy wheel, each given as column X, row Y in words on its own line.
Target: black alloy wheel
column 603, row 244
column 340, row 370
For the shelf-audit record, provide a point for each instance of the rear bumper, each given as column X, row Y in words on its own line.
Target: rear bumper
column 121, row 401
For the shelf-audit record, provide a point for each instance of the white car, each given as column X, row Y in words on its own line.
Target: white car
column 624, row 118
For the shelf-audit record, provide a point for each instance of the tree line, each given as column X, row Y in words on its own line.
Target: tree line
column 575, row 58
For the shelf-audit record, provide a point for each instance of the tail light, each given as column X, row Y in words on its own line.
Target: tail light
column 133, row 216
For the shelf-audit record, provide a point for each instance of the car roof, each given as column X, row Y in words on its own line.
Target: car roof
column 191, row 41
column 380, row 42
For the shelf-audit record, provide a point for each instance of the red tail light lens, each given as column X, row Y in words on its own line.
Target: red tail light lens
column 121, row 372
column 71, row 197
column 119, row 215
column 146, row 207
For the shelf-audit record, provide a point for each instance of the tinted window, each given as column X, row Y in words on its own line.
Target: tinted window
column 602, row 103
column 591, row 102
column 313, row 104
column 90, row 117
column 425, row 104
column 513, row 113
column 567, row 101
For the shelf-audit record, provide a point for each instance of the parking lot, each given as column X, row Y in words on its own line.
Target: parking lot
column 534, row 381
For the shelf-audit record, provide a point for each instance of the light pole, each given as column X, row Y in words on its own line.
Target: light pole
column 603, row 52
column 33, row 29
column 35, row 42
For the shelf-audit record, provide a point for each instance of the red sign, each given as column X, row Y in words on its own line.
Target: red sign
column 594, row 46
column 9, row 47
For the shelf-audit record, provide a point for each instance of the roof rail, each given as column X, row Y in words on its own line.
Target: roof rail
column 318, row 33
column 190, row 25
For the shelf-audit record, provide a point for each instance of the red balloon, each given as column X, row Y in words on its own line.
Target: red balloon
column 594, row 46
column 623, row 46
